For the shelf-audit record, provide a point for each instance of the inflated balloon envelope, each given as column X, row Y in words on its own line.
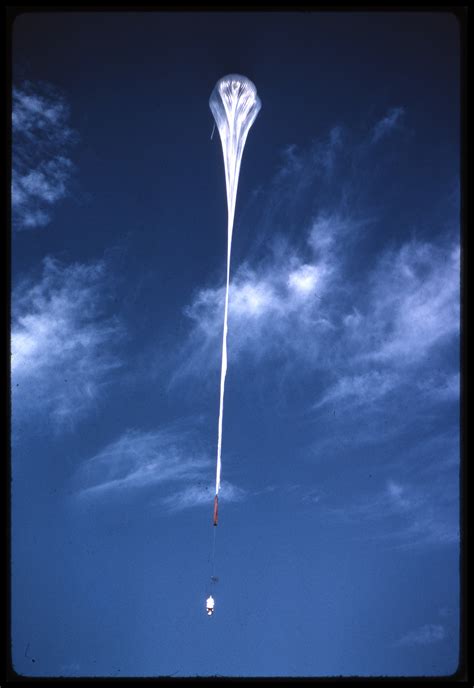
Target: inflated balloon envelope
column 235, row 104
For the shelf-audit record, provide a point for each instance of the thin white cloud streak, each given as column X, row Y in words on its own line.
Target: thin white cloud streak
column 415, row 301
column 302, row 168
column 140, row 462
column 41, row 167
column 362, row 389
column 411, row 499
column 425, row 635
column 63, row 344
column 197, row 495
column 303, row 186
column 440, row 386
column 412, row 308
column 273, row 307
column 316, row 165
column 331, row 172
column 305, row 164
column 140, row 459
column 387, row 124
column 40, row 108
column 408, row 514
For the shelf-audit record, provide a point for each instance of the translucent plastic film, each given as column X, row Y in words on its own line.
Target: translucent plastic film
column 235, row 105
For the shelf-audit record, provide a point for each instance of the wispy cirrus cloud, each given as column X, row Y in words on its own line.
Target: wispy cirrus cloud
column 414, row 302
column 142, row 462
column 409, row 309
column 197, row 495
column 140, row 459
column 387, row 124
column 289, row 194
column 364, row 388
column 424, row 635
column 315, row 160
column 406, row 513
column 406, row 477
column 326, row 174
column 41, row 166
column 273, row 306
column 63, row 342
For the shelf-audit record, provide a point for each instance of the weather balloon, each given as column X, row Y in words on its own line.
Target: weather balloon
column 235, row 104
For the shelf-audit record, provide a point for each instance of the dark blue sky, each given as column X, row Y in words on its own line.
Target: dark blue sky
column 337, row 551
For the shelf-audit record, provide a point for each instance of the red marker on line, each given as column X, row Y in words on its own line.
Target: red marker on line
column 216, row 504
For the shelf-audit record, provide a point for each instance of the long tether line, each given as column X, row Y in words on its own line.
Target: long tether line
column 211, row 561
column 213, row 555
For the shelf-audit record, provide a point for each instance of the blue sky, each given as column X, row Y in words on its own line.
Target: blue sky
column 337, row 551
